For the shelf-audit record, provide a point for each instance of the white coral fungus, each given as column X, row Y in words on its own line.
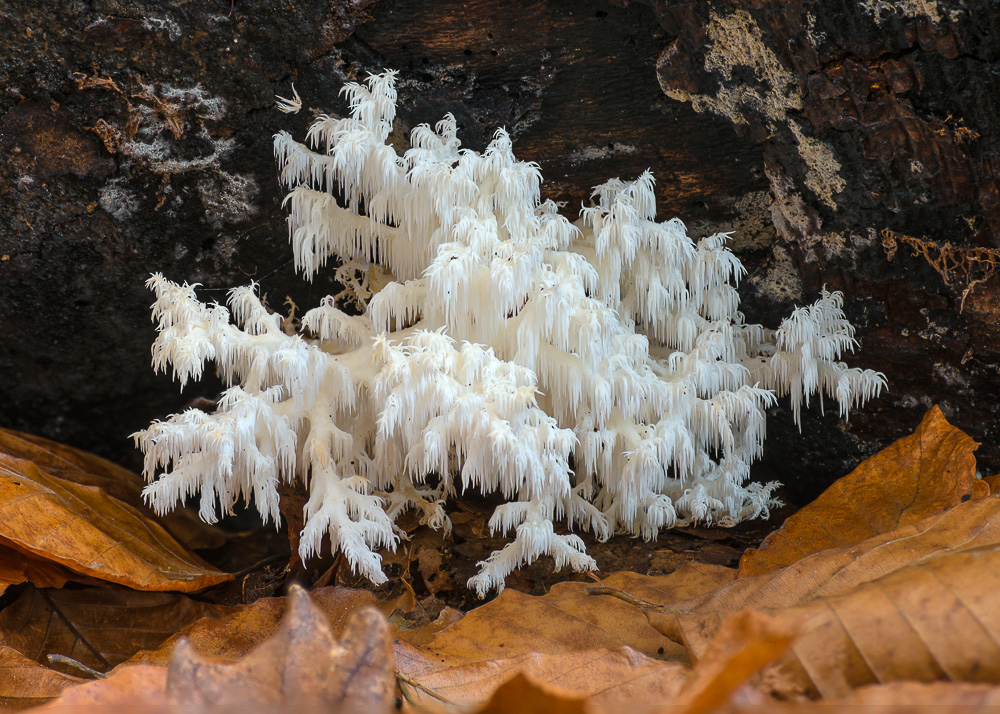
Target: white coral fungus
column 598, row 372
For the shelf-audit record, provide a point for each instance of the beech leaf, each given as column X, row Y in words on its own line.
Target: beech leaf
column 301, row 668
column 925, row 473
column 937, row 619
column 83, row 528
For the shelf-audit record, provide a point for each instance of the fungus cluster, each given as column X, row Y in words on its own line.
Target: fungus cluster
column 597, row 372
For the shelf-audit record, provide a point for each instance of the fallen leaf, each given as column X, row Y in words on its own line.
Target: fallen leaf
column 937, row 619
column 746, row 642
column 568, row 618
column 523, row 695
column 301, row 668
column 924, row 473
column 25, row 683
column 86, row 469
column 88, row 531
column 97, row 627
column 599, row 647
column 934, row 696
column 234, row 635
column 606, row 677
column 994, row 483
column 837, row 571
column 436, row 579
column 17, row 568
column 137, row 688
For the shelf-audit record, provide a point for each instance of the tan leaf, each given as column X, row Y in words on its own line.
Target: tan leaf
column 837, row 571
column 301, row 668
column 937, row 619
column 138, row 688
column 88, row 531
column 745, row 643
column 16, row 568
column 994, row 483
column 232, row 636
column 521, row 694
column 25, row 683
column 596, row 646
column 97, row 627
column 604, row 676
column 86, row 469
column 569, row 619
column 921, row 697
column 924, row 473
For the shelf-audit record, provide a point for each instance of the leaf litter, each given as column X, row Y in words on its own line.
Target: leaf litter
column 884, row 592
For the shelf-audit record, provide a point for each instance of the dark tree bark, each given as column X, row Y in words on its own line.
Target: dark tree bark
column 852, row 144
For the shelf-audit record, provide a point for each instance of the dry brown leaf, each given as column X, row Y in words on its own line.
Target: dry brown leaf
column 97, row 627
column 88, row 531
column 139, row 688
column 937, row 619
column 746, row 642
column 17, row 568
column 927, row 472
column 606, row 677
column 25, row 683
column 933, row 696
column 80, row 467
column 597, row 646
column 994, row 483
column 234, row 635
column 521, row 694
column 569, row 619
column 837, row 571
column 301, row 668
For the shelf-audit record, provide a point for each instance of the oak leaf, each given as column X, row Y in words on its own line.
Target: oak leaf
column 303, row 666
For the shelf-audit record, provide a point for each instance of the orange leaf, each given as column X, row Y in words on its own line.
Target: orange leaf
column 522, row 694
column 837, row 571
column 139, row 688
column 86, row 469
column 937, row 619
column 745, row 643
column 86, row 530
column 994, row 483
column 919, row 475
column 606, row 677
column 592, row 646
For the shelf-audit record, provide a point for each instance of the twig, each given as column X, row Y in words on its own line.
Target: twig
column 63, row 659
column 622, row 595
column 409, row 681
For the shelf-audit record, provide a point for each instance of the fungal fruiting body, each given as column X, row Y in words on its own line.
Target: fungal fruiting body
column 597, row 372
